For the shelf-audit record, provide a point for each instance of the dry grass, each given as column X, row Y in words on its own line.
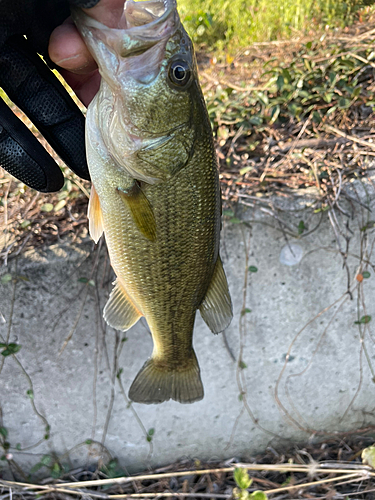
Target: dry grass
column 332, row 470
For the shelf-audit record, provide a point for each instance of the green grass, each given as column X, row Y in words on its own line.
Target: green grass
column 229, row 24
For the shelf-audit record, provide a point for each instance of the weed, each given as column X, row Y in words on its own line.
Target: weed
column 227, row 25
column 243, row 482
column 307, row 86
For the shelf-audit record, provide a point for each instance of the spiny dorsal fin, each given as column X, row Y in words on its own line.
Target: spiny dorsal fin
column 155, row 384
column 140, row 209
column 216, row 308
column 120, row 312
column 95, row 216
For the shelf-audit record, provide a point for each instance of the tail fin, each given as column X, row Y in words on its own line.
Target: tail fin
column 154, row 384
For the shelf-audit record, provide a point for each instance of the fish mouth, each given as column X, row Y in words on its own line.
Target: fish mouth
column 142, row 13
column 136, row 19
column 140, row 28
column 145, row 24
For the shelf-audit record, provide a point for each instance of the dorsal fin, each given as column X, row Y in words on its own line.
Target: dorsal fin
column 140, row 209
column 216, row 308
column 95, row 215
column 120, row 312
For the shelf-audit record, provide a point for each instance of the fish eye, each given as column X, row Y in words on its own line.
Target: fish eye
column 179, row 73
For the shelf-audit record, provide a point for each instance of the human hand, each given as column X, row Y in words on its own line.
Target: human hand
column 68, row 51
column 32, row 86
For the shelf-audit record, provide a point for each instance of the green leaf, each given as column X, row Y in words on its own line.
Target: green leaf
column 365, row 319
column 11, row 349
column 368, row 456
column 244, row 170
column 317, row 117
column 45, row 460
column 344, row 103
column 301, row 227
column 62, row 194
column 151, row 432
column 18, row 446
column 275, row 111
column 258, row 495
column 47, row 207
column 256, row 120
column 36, row 468
column 59, row 205
column 245, row 311
column 25, row 223
column 149, row 439
column 366, row 274
column 242, row 478
column 88, row 441
column 253, row 269
column 118, row 375
column 3, row 431
column 30, row 393
column 6, row 278
column 14, row 347
column 235, row 220
column 280, row 82
column 83, row 280
column 56, row 471
column 242, row 365
column 228, row 213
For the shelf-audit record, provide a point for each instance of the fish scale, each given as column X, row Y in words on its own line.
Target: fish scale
column 156, row 193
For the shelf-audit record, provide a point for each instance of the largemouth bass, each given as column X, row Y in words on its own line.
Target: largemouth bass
column 155, row 191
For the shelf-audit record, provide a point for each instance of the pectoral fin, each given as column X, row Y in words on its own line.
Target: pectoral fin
column 216, row 308
column 140, row 209
column 95, row 216
column 120, row 312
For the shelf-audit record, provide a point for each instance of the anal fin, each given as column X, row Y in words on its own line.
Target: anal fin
column 154, row 384
column 95, row 215
column 120, row 312
column 140, row 209
column 216, row 308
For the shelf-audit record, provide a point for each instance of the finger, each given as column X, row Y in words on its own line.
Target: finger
column 34, row 88
column 67, row 50
column 85, row 86
column 24, row 157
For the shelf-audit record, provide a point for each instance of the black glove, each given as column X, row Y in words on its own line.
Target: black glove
column 32, row 86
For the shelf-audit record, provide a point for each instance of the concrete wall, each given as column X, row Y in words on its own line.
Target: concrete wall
column 78, row 394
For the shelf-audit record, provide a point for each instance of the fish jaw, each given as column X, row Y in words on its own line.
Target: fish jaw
column 135, row 44
column 133, row 61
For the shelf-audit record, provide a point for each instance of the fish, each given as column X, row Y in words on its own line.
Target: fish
column 155, row 191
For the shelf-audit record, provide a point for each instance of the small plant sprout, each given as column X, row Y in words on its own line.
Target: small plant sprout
column 368, row 456
column 243, row 482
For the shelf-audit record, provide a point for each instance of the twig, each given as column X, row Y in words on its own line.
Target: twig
column 349, row 137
